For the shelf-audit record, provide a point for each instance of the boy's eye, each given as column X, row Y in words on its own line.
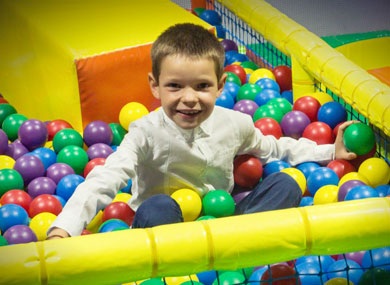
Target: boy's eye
column 203, row 85
column 173, row 85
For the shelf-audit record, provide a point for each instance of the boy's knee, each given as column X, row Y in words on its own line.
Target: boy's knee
column 285, row 182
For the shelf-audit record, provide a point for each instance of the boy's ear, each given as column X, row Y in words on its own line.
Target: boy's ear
column 221, row 83
column 153, row 85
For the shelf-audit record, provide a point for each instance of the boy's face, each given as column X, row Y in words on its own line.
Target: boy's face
column 187, row 89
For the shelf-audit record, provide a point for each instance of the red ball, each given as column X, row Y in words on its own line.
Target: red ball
column 269, row 126
column 86, row 232
column 319, row 132
column 307, row 105
column 55, row 126
column 45, row 203
column 2, row 100
column 341, row 167
column 18, row 197
column 247, row 170
column 118, row 210
column 283, row 77
column 237, row 70
column 279, row 271
column 92, row 163
column 336, row 129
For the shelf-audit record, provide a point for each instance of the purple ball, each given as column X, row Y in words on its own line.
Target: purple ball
column 97, row 132
column 356, row 256
column 294, row 123
column 16, row 149
column 346, row 187
column 229, row 45
column 239, row 196
column 33, row 134
column 100, row 150
column 58, row 170
column 20, row 234
column 3, row 142
column 246, row 106
column 41, row 185
column 30, row 167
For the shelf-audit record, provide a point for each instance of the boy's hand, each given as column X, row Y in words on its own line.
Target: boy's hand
column 340, row 150
column 57, row 233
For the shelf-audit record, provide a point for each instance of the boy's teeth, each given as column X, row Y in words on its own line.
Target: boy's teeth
column 189, row 112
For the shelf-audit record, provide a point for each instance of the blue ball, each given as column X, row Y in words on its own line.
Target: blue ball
column 311, row 273
column 221, row 32
column 225, row 100
column 211, row 17
column 114, row 147
column 239, row 57
column 320, row 177
column 256, row 275
column 62, row 200
column 307, row 168
column 339, row 269
column 321, row 260
column 361, row 192
column 67, row 185
column 268, row 83
column 306, row 201
column 112, row 225
column 232, row 88
column 274, row 166
column 288, row 95
column 46, row 155
column 265, row 95
column 380, row 258
column 383, row 190
column 207, row 277
column 332, row 113
column 229, row 56
column 12, row 215
column 127, row 189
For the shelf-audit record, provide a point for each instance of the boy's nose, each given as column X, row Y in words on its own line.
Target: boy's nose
column 190, row 96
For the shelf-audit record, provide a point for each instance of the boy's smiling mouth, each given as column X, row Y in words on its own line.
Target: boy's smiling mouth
column 189, row 112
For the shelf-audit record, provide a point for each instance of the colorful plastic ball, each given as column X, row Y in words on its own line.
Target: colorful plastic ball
column 92, row 163
column 225, row 100
column 33, row 134
column 30, row 167
column 122, row 197
column 341, row 167
column 257, row 274
column 376, row 171
column 310, row 273
column 16, row 149
column 353, row 176
column 266, row 95
column 229, row 45
column 383, row 190
column 131, row 112
column 41, row 223
column 238, row 70
column 207, row 217
column 44, row 203
column 268, row 83
column 326, row 194
column 274, row 166
column 75, row 157
column 307, row 168
column 245, row 106
column 249, row 65
column 20, row 234
column 99, row 150
column 62, row 200
column 97, row 132
column 41, row 185
column 309, row 106
column 379, row 257
column 6, row 162
column 269, row 126
column 232, row 77
column 112, row 225
column 332, row 113
column 211, row 17
column 261, row 73
column 322, row 97
column 190, row 203
column 248, row 170
column 207, row 277
column 268, row 111
column 118, row 210
column 218, row 203
column 298, row 176
column 320, row 177
column 3, row 241
column 10, row 179
column 58, row 170
column 356, row 256
column 55, row 126
column 377, row 275
column 306, row 201
column 280, row 274
column 238, row 197
column 5, row 111
column 361, row 192
column 11, row 215
column 321, row 260
column 3, row 142
column 339, row 269
column 281, row 103
column 339, row 281
column 221, row 32
column 118, row 133
column 248, row 91
column 18, row 197
column 346, row 187
column 46, row 155
column 319, row 132
column 68, row 185
column 288, row 95
column 11, row 125
column 359, row 138
column 283, row 77
column 294, row 123
column 232, row 88
column 237, row 58
column 67, row 137
column 230, row 277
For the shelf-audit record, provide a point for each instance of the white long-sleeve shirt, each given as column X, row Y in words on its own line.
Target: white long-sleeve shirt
column 160, row 157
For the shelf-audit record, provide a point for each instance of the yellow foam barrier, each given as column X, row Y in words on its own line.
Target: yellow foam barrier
column 187, row 248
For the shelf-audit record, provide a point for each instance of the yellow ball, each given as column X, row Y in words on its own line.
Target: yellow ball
column 298, row 176
column 6, row 162
column 130, row 112
column 248, row 71
column 96, row 222
column 353, row 176
column 122, row 197
column 376, row 171
column 261, row 73
column 322, row 97
column 189, row 202
column 181, row 279
column 326, row 194
column 41, row 223
column 338, row 281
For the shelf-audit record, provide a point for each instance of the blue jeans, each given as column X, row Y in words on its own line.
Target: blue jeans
column 277, row 191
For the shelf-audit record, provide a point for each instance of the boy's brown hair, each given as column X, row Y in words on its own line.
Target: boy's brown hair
column 187, row 40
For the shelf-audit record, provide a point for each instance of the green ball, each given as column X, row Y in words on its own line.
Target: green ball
column 199, row 11
column 249, row 64
column 153, row 281
column 205, row 218
column 3, row 241
column 75, row 157
column 5, row 111
column 231, row 77
column 380, row 275
column 248, row 91
column 10, row 179
column 218, row 203
column 359, row 138
column 192, row 282
column 66, row 137
column 282, row 104
column 268, row 111
column 230, row 277
column 118, row 133
column 11, row 125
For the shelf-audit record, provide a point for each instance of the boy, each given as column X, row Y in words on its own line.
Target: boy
column 189, row 143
